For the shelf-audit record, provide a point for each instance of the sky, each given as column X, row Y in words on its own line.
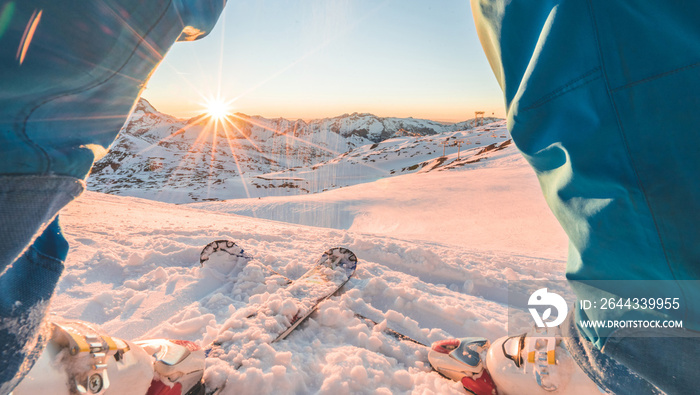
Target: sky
column 310, row 59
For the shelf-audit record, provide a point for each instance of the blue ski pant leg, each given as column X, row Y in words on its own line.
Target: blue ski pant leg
column 624, row 366
column 70, row 73
column 25, row 290
column 602, row 100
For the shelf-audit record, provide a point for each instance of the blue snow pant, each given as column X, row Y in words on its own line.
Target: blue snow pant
column 602, row 100
column 70, row 73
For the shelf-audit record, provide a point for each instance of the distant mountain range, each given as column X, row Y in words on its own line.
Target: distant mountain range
column 161, row 157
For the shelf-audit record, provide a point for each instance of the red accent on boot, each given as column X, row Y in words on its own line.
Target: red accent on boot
column 445, row 346
column 160, row 388
column 483, row 385
column 187, row 344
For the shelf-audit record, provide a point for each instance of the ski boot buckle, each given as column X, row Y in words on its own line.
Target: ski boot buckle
column 84, row 341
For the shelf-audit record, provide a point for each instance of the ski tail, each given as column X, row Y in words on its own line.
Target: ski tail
column 314, row 286
column 335, row 258
column 232, row 251
column 341, row 257
column 227, row 246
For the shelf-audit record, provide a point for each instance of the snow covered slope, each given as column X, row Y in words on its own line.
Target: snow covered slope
column 163, row 158
column 483, row 199
column 423, row 269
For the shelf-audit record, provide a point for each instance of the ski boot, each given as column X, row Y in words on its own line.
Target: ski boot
column 79, row 359
column 462, row 360
column 535, row 364
column 178, row 367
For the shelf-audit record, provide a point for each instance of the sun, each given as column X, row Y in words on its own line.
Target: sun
column 217, row 109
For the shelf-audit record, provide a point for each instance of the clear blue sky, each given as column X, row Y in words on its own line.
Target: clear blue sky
column 320, row 58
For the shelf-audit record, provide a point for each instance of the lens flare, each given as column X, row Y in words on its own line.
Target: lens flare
column 217, row 109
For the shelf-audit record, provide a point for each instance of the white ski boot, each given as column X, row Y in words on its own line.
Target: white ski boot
column 533, row 364
column 79, row 359
column 462, row 360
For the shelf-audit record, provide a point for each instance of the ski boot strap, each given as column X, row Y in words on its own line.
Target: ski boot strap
column 84, row 341
column 541, row 354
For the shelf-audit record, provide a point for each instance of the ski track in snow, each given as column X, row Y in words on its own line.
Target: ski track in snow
column 134, row 269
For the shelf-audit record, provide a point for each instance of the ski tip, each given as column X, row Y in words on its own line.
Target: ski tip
column 343, row 257
column 227, row 246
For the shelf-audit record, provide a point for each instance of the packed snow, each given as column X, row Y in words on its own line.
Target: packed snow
column 436, row 251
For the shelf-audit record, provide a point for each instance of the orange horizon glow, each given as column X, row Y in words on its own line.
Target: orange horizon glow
column 448, row 115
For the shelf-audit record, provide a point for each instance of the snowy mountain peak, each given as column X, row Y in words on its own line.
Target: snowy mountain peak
column 144, row 105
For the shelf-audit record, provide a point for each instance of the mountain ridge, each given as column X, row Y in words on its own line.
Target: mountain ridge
column 409, row 125
column 165, row 158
